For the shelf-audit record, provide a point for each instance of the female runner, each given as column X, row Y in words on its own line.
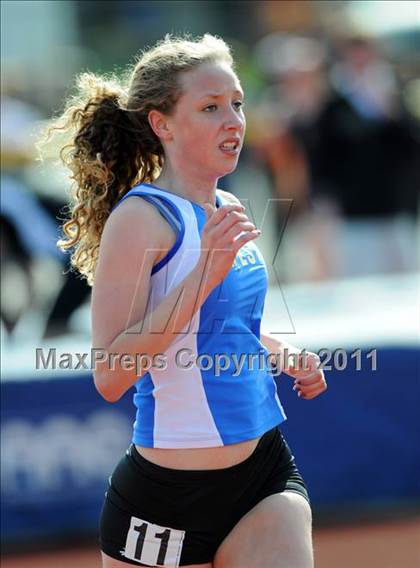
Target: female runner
column 178, row 295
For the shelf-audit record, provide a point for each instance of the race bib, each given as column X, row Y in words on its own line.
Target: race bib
column 153, row 545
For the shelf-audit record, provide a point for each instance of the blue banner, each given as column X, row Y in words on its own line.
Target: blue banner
column 356, row 445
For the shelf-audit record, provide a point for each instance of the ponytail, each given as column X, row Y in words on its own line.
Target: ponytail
column 111, row 149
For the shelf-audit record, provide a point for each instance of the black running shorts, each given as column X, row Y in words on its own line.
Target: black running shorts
column 157, row 516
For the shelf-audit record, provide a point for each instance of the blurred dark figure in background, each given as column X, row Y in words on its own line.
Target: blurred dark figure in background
column 367, row 145
column 39, row 292
column 29, row 257
column 15, row 269
column 290, row 109
column 288, row 146
column 72, row 295
column 347, row 147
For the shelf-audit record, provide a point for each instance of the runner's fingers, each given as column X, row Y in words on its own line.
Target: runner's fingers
column 245, row 238
column 310, row 391
column 238, row 228
column 215, row 216
column 227, row 223
column 318, row 378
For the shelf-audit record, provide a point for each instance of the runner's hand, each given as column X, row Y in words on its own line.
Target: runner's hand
column 227, row 229
column 308, row 375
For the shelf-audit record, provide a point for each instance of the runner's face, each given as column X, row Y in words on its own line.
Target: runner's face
column 208, row 123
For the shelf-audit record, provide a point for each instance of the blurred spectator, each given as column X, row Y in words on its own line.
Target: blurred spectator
column 72, row 295
column 30, row 261
column 293, row 102
column 349, row 149
column 367, row 144
column 16, row 281
column 38, row 290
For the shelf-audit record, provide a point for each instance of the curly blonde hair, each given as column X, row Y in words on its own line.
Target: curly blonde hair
column 110, row 144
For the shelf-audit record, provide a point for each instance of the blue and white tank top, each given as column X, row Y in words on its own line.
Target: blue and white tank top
column 213, row 385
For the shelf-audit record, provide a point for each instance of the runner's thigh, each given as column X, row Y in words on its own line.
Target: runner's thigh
column 276, row 533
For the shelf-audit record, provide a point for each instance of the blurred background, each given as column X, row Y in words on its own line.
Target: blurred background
column 331, row 173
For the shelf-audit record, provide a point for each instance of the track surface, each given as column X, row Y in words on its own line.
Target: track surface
column 394, row 544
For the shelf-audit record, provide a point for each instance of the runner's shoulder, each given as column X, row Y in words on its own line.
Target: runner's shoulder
column 137, row 221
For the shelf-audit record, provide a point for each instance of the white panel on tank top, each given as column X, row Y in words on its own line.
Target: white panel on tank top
column 183, row 418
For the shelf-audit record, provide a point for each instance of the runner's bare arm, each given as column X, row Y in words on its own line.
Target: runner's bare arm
column 129, row 248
